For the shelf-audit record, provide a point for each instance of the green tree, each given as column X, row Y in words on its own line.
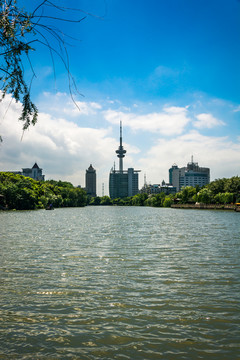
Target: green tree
column 81, row 197
column 232, row 185
column 95, row 200
column 205, row 196
column 23, row 193
column 217, row 186
column 139, row 199
column 128, row 201
column 224, row 198
column 118, row 202
column 167, row 201
column 187, row 194
column 105, row 200
column 21, row 31
column 158, row 199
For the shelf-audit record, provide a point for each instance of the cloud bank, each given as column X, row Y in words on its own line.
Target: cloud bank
column 171, row 121
column 65, row 141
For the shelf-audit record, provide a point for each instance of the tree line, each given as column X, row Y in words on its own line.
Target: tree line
column 220, row 191
column 23, row 193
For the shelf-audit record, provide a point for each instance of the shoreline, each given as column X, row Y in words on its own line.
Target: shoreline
column 207, row 207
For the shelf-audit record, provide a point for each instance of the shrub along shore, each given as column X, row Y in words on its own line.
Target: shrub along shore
column 23, row 193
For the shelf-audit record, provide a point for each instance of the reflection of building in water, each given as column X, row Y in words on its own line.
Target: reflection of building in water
column 90, row 181
column 191, row 175
column 122, row 183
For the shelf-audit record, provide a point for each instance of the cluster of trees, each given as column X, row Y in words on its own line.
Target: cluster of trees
column 221, row 191
column 23, row 193
column 156, row 200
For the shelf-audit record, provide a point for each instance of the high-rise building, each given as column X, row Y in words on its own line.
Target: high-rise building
column 122, row 183
column 191, row 175
column 90, row 181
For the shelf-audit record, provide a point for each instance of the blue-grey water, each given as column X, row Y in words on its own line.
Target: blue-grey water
column 119, row 283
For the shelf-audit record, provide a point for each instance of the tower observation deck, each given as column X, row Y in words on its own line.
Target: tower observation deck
column 120, row 151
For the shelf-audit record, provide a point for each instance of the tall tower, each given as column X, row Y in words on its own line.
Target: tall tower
column 121, row 152
column 122, row 183
column 91, row 181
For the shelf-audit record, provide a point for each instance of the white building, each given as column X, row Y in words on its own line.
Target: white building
column 35, row 172
column 157, row 189
column 191, row 175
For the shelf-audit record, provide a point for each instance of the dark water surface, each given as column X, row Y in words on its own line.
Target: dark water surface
column 119, row 283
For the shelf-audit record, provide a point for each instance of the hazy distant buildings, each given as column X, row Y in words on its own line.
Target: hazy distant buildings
column 122, row 183
column 191, row 175
column 157, row 189
column 35, row 172
column 90, row 181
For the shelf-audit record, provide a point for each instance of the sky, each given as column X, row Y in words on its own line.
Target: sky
column 169, row 70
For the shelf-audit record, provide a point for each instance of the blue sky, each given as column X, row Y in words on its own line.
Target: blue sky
column 168, row 69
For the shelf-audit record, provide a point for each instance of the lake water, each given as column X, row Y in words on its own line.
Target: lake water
column 120, row 283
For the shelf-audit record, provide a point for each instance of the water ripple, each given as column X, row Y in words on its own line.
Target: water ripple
column 119, row 283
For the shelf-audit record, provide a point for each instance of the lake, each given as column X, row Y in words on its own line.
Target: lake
column 120, row 283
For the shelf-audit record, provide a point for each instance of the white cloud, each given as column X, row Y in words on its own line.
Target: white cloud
column 207, row 121
column 171, row 121
column 60, row 104
column 237, row 109
column 62, row 148
column 218, row 153
column 81, row 108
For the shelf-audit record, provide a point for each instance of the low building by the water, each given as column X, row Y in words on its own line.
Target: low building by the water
column 191, row 175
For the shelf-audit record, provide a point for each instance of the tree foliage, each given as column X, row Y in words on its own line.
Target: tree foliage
column 20, row 33
column 220, row 191
column 14, row 25
column 23, row 193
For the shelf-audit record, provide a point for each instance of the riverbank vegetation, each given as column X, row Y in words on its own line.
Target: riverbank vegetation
column 220, row 192
column 23, row 193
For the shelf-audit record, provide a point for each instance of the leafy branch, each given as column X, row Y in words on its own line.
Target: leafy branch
column 20, row 32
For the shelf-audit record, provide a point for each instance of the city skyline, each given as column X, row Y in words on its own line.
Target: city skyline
column 168, row 70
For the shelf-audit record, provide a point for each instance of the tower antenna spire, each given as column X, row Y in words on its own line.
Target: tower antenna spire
column 121, row 133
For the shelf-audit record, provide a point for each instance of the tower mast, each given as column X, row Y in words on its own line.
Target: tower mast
column 121, row 152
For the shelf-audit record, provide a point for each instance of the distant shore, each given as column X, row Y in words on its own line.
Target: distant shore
column 206, row 206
